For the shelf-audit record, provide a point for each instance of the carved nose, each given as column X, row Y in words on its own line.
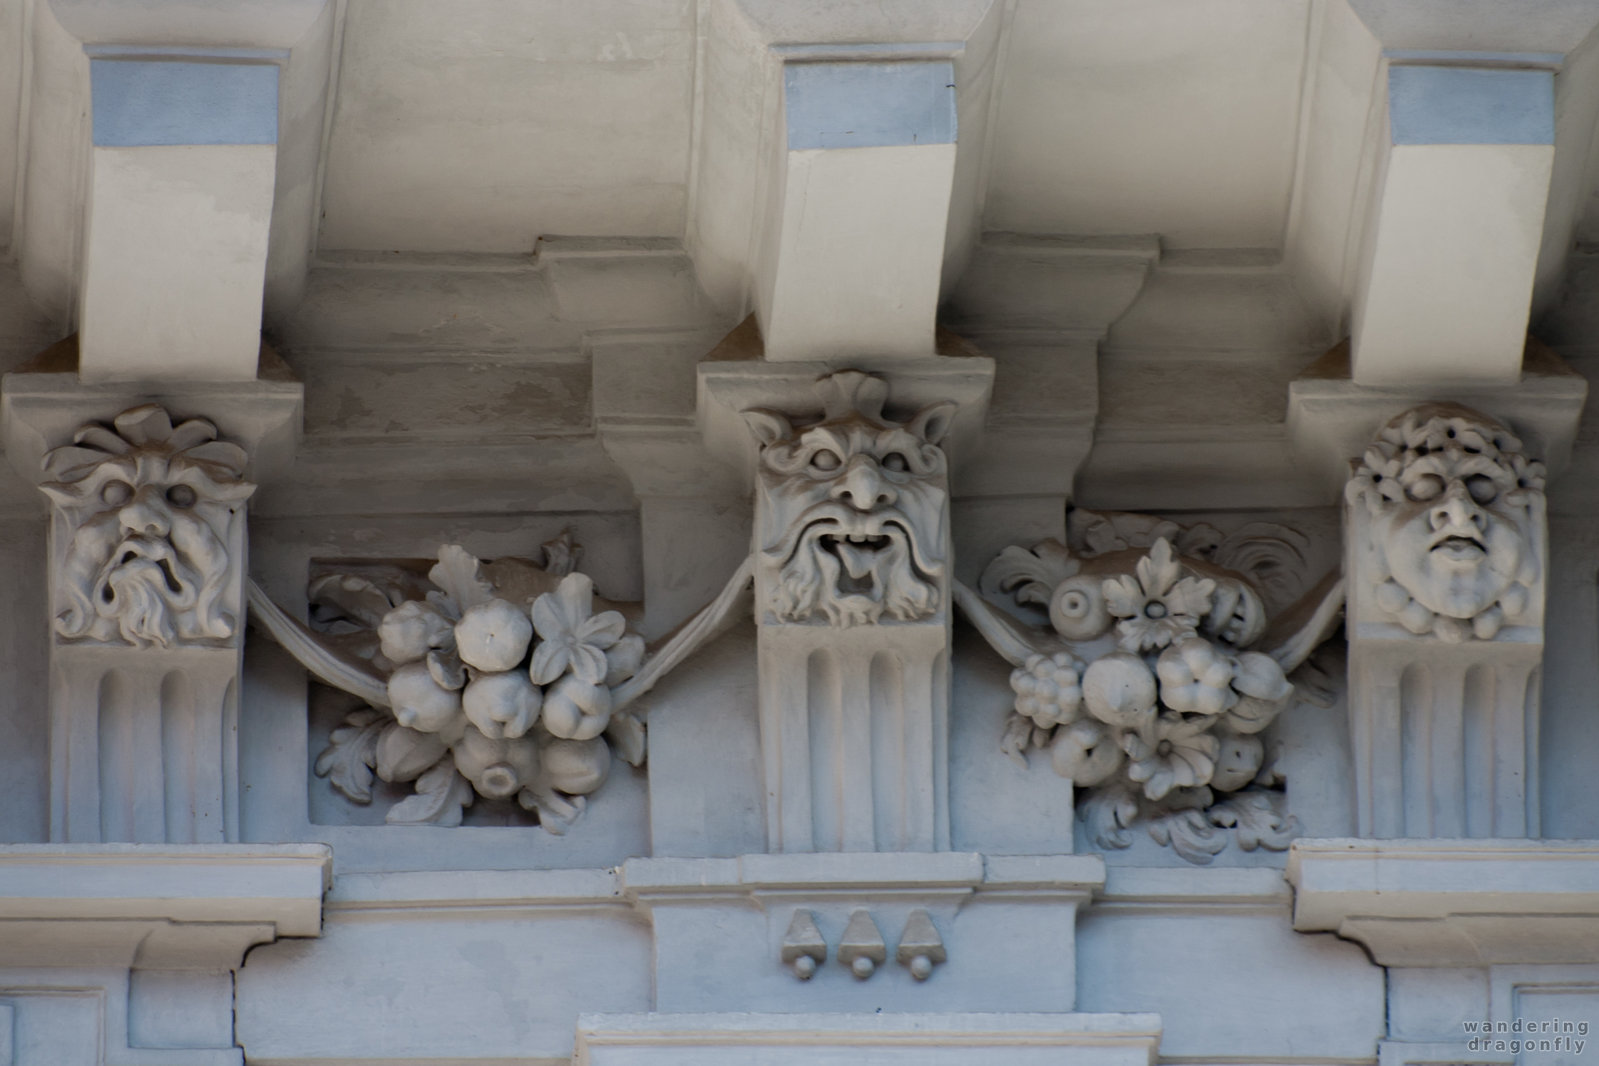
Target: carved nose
column 1458, row 509
column 863, row 487
column 146, row 514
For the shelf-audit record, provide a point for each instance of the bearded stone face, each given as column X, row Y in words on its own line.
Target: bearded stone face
column 146, row 561
column 853, row 522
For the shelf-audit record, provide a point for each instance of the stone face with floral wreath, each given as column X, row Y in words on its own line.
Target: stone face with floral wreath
column 1154, row 683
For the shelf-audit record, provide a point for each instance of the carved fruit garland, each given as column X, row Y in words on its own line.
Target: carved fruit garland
column 488, row 698
column 1146, row 695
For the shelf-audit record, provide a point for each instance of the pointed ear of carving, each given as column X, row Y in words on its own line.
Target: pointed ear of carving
column 932, row 422
column 768, row 426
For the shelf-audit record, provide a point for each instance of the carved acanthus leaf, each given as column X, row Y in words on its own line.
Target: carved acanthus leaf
column 442, row 795
column 351, row 754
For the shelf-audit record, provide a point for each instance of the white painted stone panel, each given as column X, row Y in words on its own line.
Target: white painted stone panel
column 484, row 125
column 176, row 253
column 1150, row 117
column 443, row 981
column 1268, row 993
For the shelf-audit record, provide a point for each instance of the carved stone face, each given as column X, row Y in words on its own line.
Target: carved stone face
column 1452, row 501
column 150, row 509
column 852, row 521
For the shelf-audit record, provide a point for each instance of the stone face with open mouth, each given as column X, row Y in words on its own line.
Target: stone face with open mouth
column 150, row 510
column 853, row 509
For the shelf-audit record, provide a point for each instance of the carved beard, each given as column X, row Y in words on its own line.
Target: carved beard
column 852, row 578
column 148, row 590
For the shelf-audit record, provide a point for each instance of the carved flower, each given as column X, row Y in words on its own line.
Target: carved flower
column 1182, row 755
column 1377, row 477
column 570, row 636
column 1047, row 689
column 1195, row 678
column 1157, row 605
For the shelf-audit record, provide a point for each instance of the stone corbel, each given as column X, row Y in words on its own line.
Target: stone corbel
column 852, row 561
column 148, row 490
column 1446, row 548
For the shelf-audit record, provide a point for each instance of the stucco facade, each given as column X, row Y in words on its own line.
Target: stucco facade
column 650, row 532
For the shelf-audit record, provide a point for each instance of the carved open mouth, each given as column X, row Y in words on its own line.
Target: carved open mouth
column 857, row 555
column 134, row 549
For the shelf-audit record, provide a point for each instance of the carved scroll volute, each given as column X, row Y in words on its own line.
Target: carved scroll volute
column 1447, row 555
column 852, row 593
column 146, row 574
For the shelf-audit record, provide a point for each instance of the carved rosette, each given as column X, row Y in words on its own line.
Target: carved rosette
column 1154, row 687
column 148, row 531
column 494, row 687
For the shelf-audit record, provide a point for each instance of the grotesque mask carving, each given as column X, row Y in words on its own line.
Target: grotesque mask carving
column 852, row 523
column 1455, row 511
column 150, row 509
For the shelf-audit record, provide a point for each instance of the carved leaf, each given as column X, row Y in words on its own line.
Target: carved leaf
column 1274, row 558
column 1106, row 813
column 460, row 576
column 626, row 734
column 556, row 812
column 346, row 596
column 441, row 795
column 352, row 753
column 1018, row 736
column 1259, row 818
column 1189, row 834
column 1029, row 575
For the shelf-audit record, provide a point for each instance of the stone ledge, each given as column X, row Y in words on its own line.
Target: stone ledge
column 156, row 906
column 276, row 884
column 1451, row 902
column 924, row 1039
column 865, row 871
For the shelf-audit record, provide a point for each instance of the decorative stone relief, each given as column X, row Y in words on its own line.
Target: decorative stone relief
column 851, row 509
column 1453, row 541
column 148, row 530
column 1157, row 681
column 852, row 607
column 1447, row 555
column 495, row 681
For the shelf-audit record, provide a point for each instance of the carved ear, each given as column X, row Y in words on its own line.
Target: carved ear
column 768, row 426
column 932, row 422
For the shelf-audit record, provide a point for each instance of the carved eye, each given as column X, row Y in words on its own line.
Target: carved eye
column 1482, row 488
column 896, row 462
column 181, row 496
column 826, row 460
column 116, row 493
column 1426, row 487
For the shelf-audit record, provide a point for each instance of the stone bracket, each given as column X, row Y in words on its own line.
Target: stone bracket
column 1451, row 902
column 1331, row 419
